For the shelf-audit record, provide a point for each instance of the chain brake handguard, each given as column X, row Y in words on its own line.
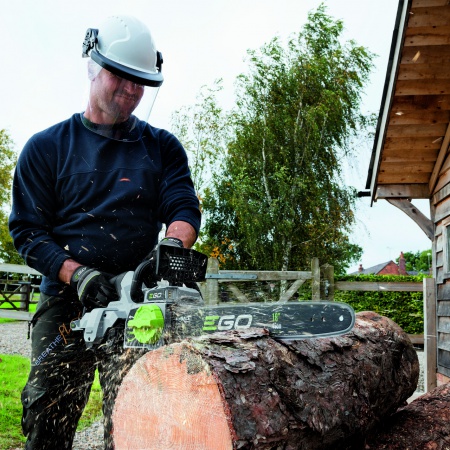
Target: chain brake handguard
column 176, row 265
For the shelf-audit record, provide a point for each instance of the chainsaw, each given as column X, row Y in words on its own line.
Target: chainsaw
column 160, row 303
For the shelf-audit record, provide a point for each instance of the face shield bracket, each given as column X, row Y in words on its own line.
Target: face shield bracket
column 89, row 41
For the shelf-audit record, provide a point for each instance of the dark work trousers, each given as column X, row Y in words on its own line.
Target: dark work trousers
column 62, row 372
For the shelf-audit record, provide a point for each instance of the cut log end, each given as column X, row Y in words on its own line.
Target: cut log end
column 170, row 399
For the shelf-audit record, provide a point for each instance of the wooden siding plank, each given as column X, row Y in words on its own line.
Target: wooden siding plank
column 394, row 155
column 419, row 118
column 443, row 308
column 421, row 87
column 443, row 324
column 445, row 165
column 439, row 277
column 413, row 166
column 428, row 3
column 437, row 16
column 439, row 161
column 444, row 371
column 422, row 102
column 417, row 145
column 441, row 195
column 435, row 131
column 443, row 180
column 398, row 178
column 443, row 293
column 422, row 54
column 439, row 259
column 426, row 35
column 424, row 71
column 441, row 211
column 444, row 342
column 443, row 359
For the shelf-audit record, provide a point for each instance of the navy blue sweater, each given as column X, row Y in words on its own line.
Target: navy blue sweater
column 101, row 202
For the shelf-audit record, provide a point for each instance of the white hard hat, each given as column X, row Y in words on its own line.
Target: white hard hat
column 124, row 46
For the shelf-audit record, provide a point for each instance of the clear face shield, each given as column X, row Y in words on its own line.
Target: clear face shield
column 117, row 108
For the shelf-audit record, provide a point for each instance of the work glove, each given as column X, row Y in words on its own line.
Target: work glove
column 171, row 242
column 93, row 287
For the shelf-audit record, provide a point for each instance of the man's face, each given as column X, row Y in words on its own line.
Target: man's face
column 112, row 99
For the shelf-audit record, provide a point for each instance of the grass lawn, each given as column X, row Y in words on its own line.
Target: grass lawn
column 13, row 375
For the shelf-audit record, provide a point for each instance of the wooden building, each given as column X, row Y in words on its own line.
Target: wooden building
column 410, row 159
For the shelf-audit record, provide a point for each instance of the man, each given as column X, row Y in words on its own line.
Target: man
column 90, row 195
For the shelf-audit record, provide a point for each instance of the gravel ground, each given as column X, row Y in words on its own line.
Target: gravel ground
column 13, row 341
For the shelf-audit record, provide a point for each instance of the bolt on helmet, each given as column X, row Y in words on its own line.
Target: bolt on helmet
column 123, row 46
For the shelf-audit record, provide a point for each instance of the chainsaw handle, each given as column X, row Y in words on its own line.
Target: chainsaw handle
column 140, row 274
column 117, row 282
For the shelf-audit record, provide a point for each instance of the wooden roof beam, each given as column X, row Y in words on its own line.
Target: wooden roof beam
column 385, row 191
column 411, row 211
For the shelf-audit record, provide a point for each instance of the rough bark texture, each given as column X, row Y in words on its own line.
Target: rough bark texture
column 423, row 424
column 244, row 390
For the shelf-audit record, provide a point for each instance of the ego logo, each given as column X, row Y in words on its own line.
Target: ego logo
column 222, row 323
column 152, row 295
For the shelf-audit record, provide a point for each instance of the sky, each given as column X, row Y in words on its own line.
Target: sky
column 43, row 77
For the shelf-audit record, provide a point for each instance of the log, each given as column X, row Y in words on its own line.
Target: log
column 423, row 424
column 245, row 390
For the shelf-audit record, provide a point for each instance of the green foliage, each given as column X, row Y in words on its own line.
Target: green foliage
column 404, row 308
column 8, row 159
column 279, row 199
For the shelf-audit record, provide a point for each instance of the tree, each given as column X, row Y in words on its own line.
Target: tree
column 280, row 200
column 8, row 159
column 201, row 129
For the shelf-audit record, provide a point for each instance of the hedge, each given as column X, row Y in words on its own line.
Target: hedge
column 404, row 308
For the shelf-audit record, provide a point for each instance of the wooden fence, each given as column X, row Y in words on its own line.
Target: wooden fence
column 16, row 286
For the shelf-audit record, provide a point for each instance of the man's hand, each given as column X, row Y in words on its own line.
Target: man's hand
column 93, row 287
column 167, row 241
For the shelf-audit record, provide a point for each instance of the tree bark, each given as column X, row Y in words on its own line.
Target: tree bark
column 245, row 390
column 423, row 424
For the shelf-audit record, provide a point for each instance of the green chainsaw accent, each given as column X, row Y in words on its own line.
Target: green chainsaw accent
column 147, row 324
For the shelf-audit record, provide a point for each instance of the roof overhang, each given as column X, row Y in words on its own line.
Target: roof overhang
column 413, row 134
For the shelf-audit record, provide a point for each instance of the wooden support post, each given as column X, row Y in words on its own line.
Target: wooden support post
column 25, row 289
column 212, row 285
column 327, row 282
column 430, row 333
column 315, row 281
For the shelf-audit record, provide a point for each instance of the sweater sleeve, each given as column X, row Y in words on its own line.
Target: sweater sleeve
column 178, row 200
column 33, row 212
